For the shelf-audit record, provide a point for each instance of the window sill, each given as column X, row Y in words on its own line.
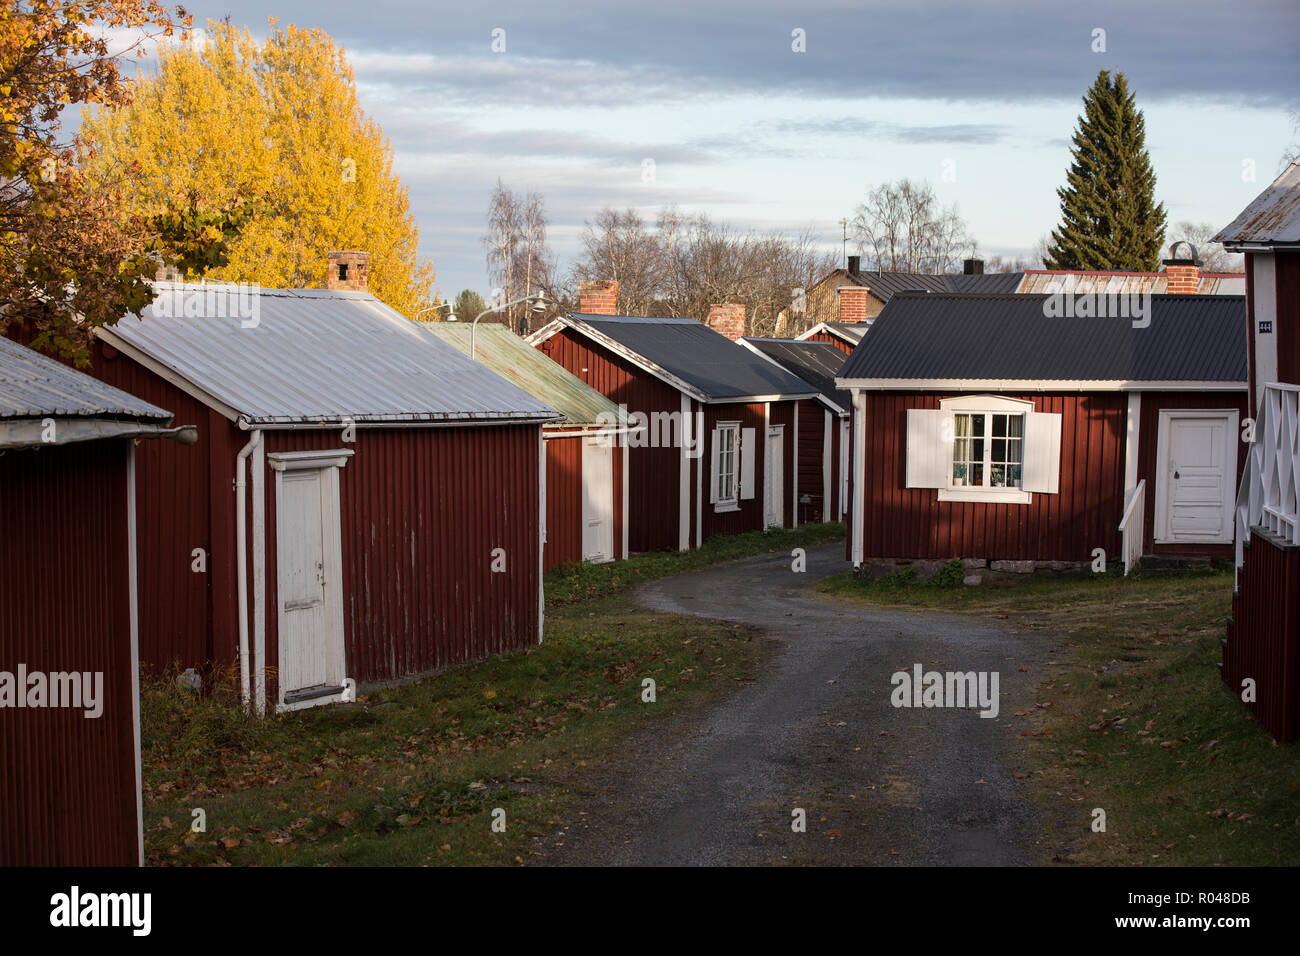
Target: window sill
column 722, row 507
column 1002, row 496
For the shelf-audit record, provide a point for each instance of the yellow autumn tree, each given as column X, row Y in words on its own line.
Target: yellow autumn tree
column 229, row 119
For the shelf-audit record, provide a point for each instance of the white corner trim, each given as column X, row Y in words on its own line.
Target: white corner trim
column 1131, row 441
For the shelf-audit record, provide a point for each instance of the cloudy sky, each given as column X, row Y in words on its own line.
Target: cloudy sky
column 978, row 97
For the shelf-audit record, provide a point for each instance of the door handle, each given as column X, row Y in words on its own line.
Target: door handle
column 1175, row 476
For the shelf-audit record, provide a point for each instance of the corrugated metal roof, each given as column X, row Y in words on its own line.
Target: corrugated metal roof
column 1190, row 338
column 817, row 363
column 851, row 332
column 1274, row 215
column 318, row 355
column 516, row 361
column 1039, row 281
column 702, row 358
column 885, row 285
column 36, row 386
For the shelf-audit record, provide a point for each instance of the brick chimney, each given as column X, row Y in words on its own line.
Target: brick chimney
column 853, row 303
column 1182, row 276
column 972, row 267
column 728, row 319
column 599, row 297
column 348, row 270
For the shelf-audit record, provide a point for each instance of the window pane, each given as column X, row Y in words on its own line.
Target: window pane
column 999, row 426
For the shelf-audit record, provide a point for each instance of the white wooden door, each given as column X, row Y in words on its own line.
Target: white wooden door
column 1198, row 464
column 774, row 478
column 311, row 654
column 597, row 501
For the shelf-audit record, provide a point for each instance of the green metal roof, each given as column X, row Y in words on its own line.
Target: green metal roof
column 526, row 367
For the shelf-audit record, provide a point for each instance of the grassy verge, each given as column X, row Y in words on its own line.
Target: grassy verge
column 1132, row 718
column 583, row 582
column 412, row 775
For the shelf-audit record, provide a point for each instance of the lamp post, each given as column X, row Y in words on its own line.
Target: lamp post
column 540, row 303
column 451, row 316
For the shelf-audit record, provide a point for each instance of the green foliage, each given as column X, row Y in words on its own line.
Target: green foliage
column 1109, row 216
column 951, row 575
column 468, row 304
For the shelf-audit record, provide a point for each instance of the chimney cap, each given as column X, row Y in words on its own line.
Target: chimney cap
column 972, row 267
column 1174, row 260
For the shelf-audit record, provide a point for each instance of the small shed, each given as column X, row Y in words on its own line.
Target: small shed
column 1036, row 429
column 1264, row 630
column 586, row 454
column 823, row 424
column 717, row 454
column 70, row 780
column 365, row 503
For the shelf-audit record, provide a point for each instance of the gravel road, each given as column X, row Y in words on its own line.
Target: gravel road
column 880, row 785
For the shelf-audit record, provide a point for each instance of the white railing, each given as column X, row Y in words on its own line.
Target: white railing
column 1133, row 525
column 1267, row 496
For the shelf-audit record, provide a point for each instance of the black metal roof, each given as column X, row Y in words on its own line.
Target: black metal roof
column 702, row 358
column 928, row 336
column 817, row 363
column 885, row 285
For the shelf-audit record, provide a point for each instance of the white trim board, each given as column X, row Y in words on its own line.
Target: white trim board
column 1030, row 385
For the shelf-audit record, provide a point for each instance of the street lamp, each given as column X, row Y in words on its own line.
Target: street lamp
column 451, row 316
column 540, row 304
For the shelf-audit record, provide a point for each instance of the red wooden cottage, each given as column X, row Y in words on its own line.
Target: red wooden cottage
column 823, row 466
column 386, row 513
column 1263, row 644
column 1030, row 429
column 586, row 460
column 69, row 699
column 716, row 449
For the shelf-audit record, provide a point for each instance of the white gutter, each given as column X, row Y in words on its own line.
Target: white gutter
column 241, row 559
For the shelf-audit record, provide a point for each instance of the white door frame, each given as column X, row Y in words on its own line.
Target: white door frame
column 1164, row 432
column 328, row 464
column 774, row 492
column 598, row 454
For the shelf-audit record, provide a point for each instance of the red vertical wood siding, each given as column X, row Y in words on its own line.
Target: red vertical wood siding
column 68, row 793
column 1287, row 326
column 1263, row 639
column 653, row 473
column 812, row 457
column 839, row 343
column 750, row 515
column 901, row 522
column 422, row 510
column 1148, row 453
column 783, row 413
column 564, row 501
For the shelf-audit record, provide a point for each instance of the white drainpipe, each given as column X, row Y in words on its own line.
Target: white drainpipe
column 241, row 558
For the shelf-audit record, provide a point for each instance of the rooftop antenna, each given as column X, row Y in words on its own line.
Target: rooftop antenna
column 844, row 246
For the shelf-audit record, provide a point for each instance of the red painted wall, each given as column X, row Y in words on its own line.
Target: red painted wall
column 900, row 522
column 653, row 473
column 564, row 518
column 812, row 456
column 839, row 343
column 1262, row 641
column 1148, row 450
column 68, row 794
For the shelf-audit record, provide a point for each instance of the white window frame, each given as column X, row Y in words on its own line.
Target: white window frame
column 731, row 503
column 987, row 405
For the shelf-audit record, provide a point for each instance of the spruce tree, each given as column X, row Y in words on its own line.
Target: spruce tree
column 1109, row 216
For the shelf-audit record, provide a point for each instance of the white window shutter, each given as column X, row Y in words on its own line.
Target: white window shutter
column 1042, row 471
column 929, row 448
column 716, row 443
column 747, row 445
